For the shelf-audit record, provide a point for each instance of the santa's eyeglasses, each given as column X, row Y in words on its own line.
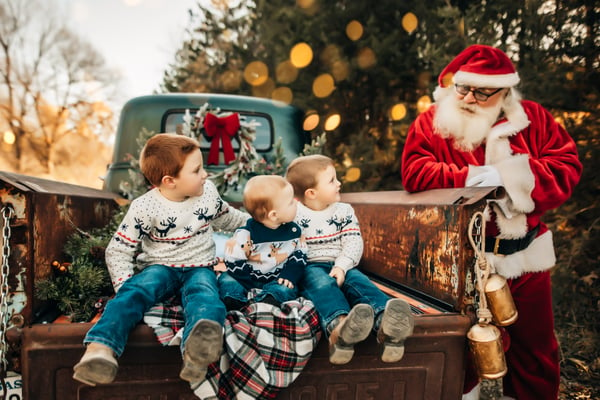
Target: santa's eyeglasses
column 480, row 95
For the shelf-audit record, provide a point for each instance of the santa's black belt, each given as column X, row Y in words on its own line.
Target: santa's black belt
column 510, row 246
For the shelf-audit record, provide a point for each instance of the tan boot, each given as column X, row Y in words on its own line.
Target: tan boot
column 397, row 324
column 354, row 328
column 203, row 347
column 98, row 365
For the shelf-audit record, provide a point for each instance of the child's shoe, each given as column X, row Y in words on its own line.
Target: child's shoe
column 202, row 348
column 397, row 324
column 98, row 365
column 353, row 328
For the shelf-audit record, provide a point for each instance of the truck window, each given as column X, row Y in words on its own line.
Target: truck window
column 264, row 129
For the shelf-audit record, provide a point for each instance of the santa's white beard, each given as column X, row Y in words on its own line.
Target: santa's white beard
column 468, row 124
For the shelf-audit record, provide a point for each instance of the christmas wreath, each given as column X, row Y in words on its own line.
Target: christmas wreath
column 221, row 128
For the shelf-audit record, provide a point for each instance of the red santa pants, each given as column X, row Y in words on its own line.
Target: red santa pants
column 532, row 356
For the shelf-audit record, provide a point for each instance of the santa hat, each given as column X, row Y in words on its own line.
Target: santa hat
column 480, row 66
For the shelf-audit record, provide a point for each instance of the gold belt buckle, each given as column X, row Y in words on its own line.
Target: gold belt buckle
column 496, row 246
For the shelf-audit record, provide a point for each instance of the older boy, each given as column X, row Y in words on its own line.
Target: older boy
column 167, row 236
column 348, row 303
column 269, row 252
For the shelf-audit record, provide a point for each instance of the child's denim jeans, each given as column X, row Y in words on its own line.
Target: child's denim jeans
column 332, row 301
column 156, row 283
column 233, row 289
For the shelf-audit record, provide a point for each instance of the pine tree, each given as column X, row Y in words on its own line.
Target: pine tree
column 391, row 62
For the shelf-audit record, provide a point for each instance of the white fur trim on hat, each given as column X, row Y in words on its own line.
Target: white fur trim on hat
column 486, row 81
column 480, row 66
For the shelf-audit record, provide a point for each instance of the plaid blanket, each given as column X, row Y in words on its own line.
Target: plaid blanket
column 266, row 347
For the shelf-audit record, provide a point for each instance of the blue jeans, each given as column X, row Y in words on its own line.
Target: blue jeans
column 236, row 290
column 156, row 283
column 332, row 301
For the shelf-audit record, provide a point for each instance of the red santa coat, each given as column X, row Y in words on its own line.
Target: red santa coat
column 538, row 163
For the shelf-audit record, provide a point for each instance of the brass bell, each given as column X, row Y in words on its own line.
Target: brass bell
column 500, row 300
column 485, row 343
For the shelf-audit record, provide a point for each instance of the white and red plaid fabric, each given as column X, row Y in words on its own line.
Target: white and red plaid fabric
column 266, row 347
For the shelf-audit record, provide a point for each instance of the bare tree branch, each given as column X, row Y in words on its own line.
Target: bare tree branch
column 51, row 79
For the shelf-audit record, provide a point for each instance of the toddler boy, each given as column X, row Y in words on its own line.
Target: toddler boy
column 348, row 303
column 269, row 252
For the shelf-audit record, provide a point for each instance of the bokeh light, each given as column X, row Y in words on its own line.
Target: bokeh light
column 256, row 73
column 423, row 104
column 323, row 85
column 352, row 174
column 283, row 94
column 311, row 121
column 354, row 30
column 264, row 90
column 301, row 55
column 332, row 122
column 447, row 79
column 340, row 70
column 398, row 112
column 365, row 58
column 286, row 72
column 305, row 3
column 231, row 80
column 410, row 22
column 9, row 137
column 330, row 54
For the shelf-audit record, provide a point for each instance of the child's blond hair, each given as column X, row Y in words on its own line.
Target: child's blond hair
column 302, row 172
column 164, row 155
column 260, row 192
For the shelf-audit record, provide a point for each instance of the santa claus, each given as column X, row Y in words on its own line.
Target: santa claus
column 481, row 133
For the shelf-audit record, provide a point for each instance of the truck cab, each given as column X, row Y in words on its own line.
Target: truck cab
column 416, row 247
column 271, row 128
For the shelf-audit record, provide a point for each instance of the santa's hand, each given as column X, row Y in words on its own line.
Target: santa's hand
column 485, row 175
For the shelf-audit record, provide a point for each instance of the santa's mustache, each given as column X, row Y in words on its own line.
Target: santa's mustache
column 472, row 108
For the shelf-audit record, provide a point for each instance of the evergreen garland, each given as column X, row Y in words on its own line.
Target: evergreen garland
column 80, row 286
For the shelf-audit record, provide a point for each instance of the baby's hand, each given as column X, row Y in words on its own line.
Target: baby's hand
column 339, row 275
column 229, row 246
column 285, row 283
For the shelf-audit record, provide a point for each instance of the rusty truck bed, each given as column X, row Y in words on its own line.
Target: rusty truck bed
column 416, row 246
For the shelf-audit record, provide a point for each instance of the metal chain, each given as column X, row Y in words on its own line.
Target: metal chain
column 7, row 213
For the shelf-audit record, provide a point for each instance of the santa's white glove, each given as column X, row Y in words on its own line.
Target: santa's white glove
column 484, row 175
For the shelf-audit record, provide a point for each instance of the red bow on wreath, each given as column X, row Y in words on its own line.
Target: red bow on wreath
column 221, row 130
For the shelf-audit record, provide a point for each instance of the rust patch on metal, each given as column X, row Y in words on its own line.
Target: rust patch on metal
column 419, row 241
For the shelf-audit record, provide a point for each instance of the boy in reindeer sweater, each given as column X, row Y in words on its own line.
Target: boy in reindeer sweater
column 348, row 303
column 164, row 247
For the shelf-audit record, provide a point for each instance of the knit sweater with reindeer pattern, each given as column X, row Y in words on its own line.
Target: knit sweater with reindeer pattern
column 332, row 235
column 156, row 230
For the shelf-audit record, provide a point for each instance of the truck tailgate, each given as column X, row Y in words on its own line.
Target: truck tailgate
column 432, row 367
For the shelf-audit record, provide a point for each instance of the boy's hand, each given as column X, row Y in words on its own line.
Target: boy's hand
column 339, row 275
column 285, row 283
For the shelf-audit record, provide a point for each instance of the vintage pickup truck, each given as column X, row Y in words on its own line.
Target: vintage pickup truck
column 417, row 248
